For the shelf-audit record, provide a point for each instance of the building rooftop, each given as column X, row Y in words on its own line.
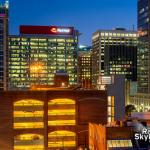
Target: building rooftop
column 115, row 30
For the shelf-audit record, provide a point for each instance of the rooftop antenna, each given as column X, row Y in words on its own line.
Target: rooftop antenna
column 133, row 27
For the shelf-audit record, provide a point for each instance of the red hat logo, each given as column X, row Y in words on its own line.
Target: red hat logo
column 54, row 30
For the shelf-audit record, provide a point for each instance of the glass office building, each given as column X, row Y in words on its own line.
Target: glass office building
column 114, row 52
column 85, row 69
column 143, row 47
column 3, row 45
column 38, row 53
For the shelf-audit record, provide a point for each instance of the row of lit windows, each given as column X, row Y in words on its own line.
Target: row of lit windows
column 68, row 67
column 110, row 109
column 15, row 60
column 86, row 75
column 42, row 40
column 117, row 41
column 42, row 48
column 119, row 143
column 119, row 69
column 32, row 78
column 119, row 34
column 26, row 109
column 36, row 141
column 41, row 54
column 66, row 108
column 122, row 62
column 50, row 48
column 121, row 72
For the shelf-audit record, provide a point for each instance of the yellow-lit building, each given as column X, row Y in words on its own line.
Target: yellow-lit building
column 110, row 137
column 50, row 120
column 39, row 52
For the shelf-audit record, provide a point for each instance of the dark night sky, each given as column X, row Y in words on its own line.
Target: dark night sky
column 86, row 15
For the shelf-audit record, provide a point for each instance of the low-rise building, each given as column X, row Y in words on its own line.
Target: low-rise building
column 50, row 119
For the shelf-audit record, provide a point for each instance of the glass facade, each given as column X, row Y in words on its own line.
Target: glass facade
column 143, row 47
column 121, row 59
column 34, row 60
column 122, row 43
column 3, row 45
column 85, row 69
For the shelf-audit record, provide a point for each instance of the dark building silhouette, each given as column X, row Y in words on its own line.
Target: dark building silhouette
column 4, row 45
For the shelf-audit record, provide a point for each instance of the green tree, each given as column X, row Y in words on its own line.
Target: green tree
column 129, row 109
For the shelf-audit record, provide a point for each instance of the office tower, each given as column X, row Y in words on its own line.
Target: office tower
column 114, row 52
column 85, row 67
column 3, row 45
column 40, row 52
column 143, row 47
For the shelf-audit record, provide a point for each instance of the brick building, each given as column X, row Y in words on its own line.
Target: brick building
column 54, row 119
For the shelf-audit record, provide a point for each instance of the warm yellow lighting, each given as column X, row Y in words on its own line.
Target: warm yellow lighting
column 62, row 143
column 28, row 125
column 29, row 137
column 119, row 143
column 29, row 142
column 111, row 109
column 28, row 114
column 25, row 147
column 61, row 112
column 36, row 67
column 28, row 102
column 61, row 133
column 61, row 101
column 62, row 138
column 59, row 107
column 61, row 122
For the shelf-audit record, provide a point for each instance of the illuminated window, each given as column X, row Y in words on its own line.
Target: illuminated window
column 28, row 102
column 61, row 101
column 59, row 139
column 50, row 51
column 106, row 34
column 29, row 141
column 119, row 143
column 28, row 113
column 110, row 109
column 61, row 112
column 27, row 125
column 102, row 34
